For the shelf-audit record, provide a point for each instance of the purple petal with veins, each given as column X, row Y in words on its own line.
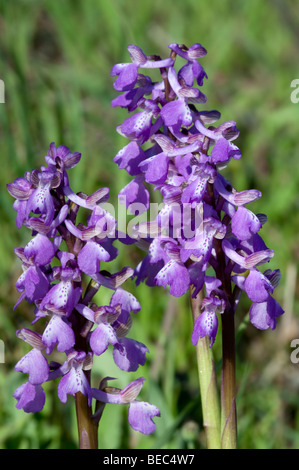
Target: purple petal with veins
column 58, row 332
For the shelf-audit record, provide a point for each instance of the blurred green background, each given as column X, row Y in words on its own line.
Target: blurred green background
column 55, row 61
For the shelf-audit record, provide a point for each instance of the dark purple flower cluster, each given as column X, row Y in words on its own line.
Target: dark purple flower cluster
column 61, row 275
column 204, row 237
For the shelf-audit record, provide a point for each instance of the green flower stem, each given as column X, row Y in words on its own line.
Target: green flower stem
column 86, row 423
column 208, row 385
column 228, row 388
column 228, row 384
column 87, row 427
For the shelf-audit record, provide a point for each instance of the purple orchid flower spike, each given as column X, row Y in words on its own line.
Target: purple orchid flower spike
column 61, row 254
column 204, row 225
column 204, row 240
column 184, row 165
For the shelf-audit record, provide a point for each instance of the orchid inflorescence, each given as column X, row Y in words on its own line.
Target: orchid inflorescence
column 204, row 223
column 204, row 239
column 57, row 263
